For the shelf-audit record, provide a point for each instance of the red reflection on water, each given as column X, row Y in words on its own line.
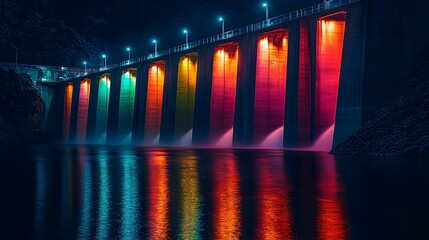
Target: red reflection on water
column 331, row 222
column 227, row 222
column 158, row 195
column 274, row 214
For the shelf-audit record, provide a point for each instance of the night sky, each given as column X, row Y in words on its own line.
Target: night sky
column 114, row 24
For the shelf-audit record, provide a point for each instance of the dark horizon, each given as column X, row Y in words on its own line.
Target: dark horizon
column 104, row 25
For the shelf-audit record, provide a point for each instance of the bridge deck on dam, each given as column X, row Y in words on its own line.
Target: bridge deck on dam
column 270, row 84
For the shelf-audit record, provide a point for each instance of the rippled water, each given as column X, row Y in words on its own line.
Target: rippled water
column 99, row 192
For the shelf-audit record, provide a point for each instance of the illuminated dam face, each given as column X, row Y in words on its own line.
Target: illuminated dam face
column 102, row 108
column 224, row 84
column 82, row 111
column 68, row 98
column 270, row 88
column 126, row 105
column 185, row 95
column 231, row 95
column 155, row 89
column 329, row 47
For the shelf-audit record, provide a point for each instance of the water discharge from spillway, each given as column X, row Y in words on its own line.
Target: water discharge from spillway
column 82, row 114
column 329, row 47
column 270, row 88
column 155, row 88
column 102, row 108
column 68, row 97
column 126, row 105
column 224, row 84
column 185, row 95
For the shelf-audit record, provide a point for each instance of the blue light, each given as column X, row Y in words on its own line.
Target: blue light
column 154, row 41
column 185, row 31
column 128, row 49
column 84, row 62
column 103, row 56
column 264, row 4
column 221, row 19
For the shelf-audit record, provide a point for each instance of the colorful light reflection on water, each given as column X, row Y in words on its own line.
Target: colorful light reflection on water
column 100, row 192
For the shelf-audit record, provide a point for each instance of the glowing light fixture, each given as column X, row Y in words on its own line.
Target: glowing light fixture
column 105, row 59
column 129, row 53
column 265, row 5
column 84, row 63
column 223, row 24
column 156, row 45
column 186, row 34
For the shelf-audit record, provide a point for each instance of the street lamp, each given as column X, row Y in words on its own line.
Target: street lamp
column 129, row 53
column 156, row 45
column 223, row 24
column 84, row 63
column 266, row 10
column 186, row 34
column 105, row 59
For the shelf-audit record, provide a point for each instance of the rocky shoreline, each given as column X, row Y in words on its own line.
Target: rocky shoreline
column 401, row 128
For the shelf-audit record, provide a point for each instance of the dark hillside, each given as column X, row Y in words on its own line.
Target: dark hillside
column 399, row 128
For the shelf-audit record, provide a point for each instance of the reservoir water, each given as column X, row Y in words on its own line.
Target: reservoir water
column 104, row 192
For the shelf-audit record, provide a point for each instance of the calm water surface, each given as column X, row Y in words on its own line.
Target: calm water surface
column 99, row 192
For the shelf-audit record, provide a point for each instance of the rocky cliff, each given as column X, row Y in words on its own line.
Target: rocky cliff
column 21, row 108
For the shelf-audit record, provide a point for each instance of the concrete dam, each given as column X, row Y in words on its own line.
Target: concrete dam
column 306, row 79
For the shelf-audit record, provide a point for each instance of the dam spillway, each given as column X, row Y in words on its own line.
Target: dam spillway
column 296, row 80
column 174, row 92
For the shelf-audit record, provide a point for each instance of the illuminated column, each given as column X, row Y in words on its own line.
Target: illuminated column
column 155, row 91
column 201, row 123
column 126, row 105
column 169, row 100
column 102, row 108
column 243, row 112
column 223, row 90
column 329, row 46
column 185, row 95
column 297, row 129
column 68, row 96
column 82, row 114
column 270, row 88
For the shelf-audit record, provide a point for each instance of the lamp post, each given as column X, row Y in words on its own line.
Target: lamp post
column 129, row 53
column 266, row 10
column 84, row 63
column 223, row 24
column 105, row 59
column 156, row 45
column 186, row 35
